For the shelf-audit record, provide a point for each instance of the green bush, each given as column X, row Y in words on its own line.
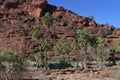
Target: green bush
column 62, row 47
column 11, row 63
column 36, row 33
column 47, row 19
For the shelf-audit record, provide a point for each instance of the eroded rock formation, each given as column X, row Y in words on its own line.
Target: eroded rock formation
column 18, row 17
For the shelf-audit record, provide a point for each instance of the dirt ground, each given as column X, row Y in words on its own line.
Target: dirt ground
column 98, row 75
column 108, row 73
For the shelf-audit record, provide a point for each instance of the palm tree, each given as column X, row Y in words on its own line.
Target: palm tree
column 116, row 50
column 101, row 58
column 81, row 41
column 47, row 19
column 2, row 67
column 36, row 33
column 117, row 45
column 41, row 56
column 45, row 44
column 100, row 43
column 93, row 43
column 62, row 47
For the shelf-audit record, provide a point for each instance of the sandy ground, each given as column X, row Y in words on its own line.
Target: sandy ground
column 98, row 75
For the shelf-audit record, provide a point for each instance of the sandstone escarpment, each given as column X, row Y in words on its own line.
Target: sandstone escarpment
column 18, row 17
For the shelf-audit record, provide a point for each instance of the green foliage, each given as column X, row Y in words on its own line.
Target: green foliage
column 97, row 42
column 11, row 62
column 81, row 39
column 62, row 60
column 16, row 61
column 47, row 19
column 7, row 55
column 101, row 57
column 2, row 67
column 36, row 33
column 42, row 60
column 117, row 45
column 39, row 56
column 75, row 45
column 100, row 42
column 93, row 42
column 20, row 62
column 62, row 47
column 45, row 44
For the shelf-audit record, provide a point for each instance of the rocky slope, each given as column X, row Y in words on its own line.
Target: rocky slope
column 18, row 17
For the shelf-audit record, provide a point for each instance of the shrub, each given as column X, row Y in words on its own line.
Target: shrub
column 11, row 63
column 36, row 33
column 62, row 47
column 47, row 19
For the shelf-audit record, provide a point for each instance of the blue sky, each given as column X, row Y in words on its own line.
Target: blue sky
column 104, row 11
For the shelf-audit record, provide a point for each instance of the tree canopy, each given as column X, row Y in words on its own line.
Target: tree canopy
column 47, row 19
column 62, row 47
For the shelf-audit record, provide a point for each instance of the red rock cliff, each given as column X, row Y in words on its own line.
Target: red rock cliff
column 18, row 17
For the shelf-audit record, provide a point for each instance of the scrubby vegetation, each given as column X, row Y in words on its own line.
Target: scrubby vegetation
column 11, row 62
column 36, row 33
column 36, row 37
column 86, row 49
column 47, row 19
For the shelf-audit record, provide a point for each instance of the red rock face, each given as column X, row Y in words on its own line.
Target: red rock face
column 18, row 17
column 18, row 39
column 17, row 8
